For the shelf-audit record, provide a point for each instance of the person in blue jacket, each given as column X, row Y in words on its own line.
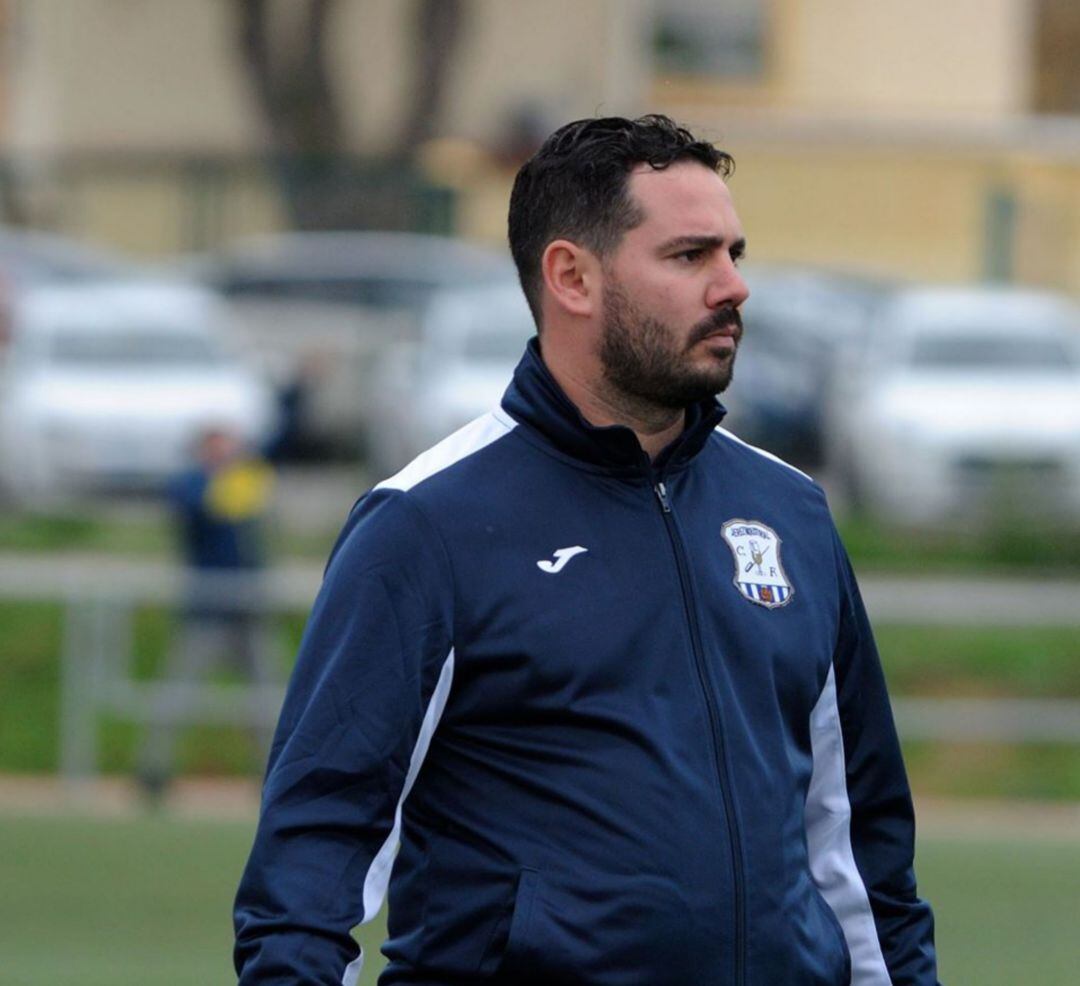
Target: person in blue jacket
column 588, row 689
column 219, row 505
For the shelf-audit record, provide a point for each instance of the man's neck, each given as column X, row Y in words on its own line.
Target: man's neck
column 656, row 427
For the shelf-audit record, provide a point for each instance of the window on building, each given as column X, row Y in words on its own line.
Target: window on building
column 710, row 38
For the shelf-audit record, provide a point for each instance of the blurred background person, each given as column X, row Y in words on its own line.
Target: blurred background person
column 219, row 507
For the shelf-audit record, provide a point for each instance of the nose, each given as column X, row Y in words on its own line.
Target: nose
column 726, row 286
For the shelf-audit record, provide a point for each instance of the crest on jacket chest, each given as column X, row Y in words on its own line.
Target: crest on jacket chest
column 759, row 574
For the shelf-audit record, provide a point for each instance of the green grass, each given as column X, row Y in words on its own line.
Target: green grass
column 1006, row 911
column 85, row 531
column 1036, row 771
column 149, row 535
column 29, row 685
column 148, row 901
column 1010, row 546
column 30, row 643
column 111, row 903
column 1034, row 662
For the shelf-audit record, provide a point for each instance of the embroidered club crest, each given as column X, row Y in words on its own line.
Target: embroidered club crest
column 758, row 573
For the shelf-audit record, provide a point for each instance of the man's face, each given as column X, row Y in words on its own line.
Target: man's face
column 671, row 291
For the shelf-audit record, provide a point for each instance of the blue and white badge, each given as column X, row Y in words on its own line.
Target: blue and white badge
column 759, row 576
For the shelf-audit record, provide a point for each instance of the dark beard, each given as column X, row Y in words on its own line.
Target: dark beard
column 640, row 361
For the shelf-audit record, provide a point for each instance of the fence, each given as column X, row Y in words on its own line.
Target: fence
column 101, row 597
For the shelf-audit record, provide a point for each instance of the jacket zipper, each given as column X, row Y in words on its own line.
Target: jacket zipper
column 715, row 725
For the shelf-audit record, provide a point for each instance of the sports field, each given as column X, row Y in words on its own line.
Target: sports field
column 147, row 901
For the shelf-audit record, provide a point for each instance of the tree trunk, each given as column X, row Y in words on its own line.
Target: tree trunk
column 324, row 187
column 294, row 90
column 437, row 31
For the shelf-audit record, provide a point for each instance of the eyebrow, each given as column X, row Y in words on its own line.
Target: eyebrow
column 737, row 249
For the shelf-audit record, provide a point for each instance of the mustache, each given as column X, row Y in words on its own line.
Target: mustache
column 726, row 320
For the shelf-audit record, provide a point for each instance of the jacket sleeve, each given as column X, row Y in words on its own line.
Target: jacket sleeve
column 372, row 666
column 859, row 815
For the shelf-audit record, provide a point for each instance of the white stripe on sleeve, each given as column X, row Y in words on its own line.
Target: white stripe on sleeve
column 474, row 436
column 378, row 874
column 828, row 835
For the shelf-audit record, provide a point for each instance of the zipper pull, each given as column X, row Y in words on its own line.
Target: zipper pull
column 661, row 495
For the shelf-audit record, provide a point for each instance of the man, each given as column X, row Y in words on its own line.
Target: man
column 600, row 668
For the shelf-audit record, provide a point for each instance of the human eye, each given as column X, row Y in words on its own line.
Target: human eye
column 690, row 256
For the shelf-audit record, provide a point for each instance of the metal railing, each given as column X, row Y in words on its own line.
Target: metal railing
column 101, row 597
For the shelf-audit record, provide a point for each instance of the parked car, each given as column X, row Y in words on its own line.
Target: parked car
column 106, row 385
column 798, row 324
column 424, row 389
column 317, row 309
column 31, row 258
column 965, row 404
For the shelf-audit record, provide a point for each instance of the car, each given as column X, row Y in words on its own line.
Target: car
column 798, row 323
column 106, row 385
column 963, row 408
column 316, row 309
column 31, row 257
column 422, row 390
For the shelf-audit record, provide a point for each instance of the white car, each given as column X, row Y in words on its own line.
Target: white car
column 470, row 341
column 799, row 323
column 105, row 386
column 964, row 405
column 319, row 308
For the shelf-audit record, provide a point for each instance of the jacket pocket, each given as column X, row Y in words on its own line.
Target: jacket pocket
column 517, row 941
column 833, row 922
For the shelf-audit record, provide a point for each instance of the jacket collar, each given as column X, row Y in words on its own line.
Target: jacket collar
column 535, row 400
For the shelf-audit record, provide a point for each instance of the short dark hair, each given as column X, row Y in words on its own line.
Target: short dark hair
column 575, row 186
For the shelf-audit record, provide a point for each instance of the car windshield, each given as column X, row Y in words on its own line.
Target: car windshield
column 133, row 348
column 974, row 351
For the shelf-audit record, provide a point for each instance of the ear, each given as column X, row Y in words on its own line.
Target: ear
column 571, row 275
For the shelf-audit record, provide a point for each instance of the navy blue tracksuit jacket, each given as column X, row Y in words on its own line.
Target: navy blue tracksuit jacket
column 625, row 721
